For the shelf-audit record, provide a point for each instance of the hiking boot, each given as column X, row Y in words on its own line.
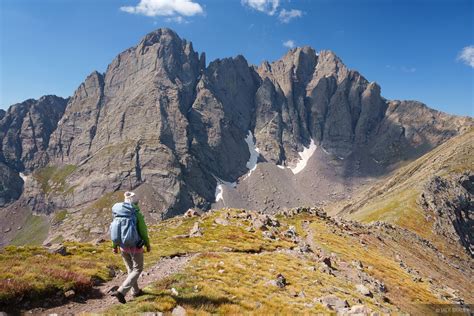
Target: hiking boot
column 119, row 297
column 139, row 293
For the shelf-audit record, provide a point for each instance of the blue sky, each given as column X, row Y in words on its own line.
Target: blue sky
column 415, row 49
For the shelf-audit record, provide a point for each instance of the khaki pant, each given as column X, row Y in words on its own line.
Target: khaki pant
column 134, row 264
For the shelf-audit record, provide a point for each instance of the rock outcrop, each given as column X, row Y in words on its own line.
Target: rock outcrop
column 451, row 202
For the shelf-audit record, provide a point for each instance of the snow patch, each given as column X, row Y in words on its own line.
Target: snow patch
column 304, row 155
column 220, row 188
column 254, row 154
column 23, row 177
column 219, row 193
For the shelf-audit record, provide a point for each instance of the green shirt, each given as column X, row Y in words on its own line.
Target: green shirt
column 141, row 226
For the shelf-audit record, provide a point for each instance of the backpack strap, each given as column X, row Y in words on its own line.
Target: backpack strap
column 132, row 209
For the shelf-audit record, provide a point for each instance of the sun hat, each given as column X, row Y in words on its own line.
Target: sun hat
column 130, row 197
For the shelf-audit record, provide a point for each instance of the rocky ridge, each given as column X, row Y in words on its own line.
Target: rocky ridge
column 431, row 196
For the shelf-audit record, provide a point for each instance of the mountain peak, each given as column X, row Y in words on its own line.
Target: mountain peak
column 160, row 35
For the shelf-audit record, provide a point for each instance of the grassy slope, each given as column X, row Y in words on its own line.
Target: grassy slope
column 233, row 270
column 28, row 262
column 53, row 179
column 395, row 201
column 34, row 231
column 236, row 283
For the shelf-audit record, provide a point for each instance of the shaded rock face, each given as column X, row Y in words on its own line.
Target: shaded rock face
column 10, row 185
column 160, row 121
column 451, row 201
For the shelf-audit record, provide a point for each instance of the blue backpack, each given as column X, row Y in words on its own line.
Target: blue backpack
column 123, row 229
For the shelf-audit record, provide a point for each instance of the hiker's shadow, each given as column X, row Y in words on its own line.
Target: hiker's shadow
column 93, row 293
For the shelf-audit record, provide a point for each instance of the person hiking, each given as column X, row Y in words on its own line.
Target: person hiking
column 129, row 233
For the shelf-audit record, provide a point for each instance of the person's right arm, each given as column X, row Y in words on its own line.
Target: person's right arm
column 142, row 229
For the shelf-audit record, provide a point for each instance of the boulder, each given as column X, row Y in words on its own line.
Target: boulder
column 360, row 309
column 333, row 302
column 221, row 221
column 69, row 294
column 179, row 311
column 58, row 249
column 191, row 213
column 280, row 281
column 195, row 231
column 363, row 290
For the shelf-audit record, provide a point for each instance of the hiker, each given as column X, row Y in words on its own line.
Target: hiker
column 129, row 232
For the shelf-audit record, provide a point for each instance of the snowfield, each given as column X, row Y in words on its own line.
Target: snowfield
column 304, row 157
column 220, row 188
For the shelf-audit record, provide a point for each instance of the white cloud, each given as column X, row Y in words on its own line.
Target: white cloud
column 286, row 16
column 165, row 8
column 267, row 6
column 289, row 43
column 467, row 55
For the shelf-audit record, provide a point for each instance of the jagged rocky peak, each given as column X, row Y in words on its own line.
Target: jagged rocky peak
column 25, row 131
column 161, row 35
column 177, row 55
column 331, row 65
column 2, row 113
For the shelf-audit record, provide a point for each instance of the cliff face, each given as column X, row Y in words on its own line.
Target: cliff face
column 162, row 121
column 25, row 131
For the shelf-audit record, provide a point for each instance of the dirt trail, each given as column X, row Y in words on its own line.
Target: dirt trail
column 162, row 269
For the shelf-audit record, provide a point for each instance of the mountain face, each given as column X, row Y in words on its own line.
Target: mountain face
column 25, row 131
column 161, row 122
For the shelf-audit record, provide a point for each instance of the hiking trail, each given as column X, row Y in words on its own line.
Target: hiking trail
column 103, row 301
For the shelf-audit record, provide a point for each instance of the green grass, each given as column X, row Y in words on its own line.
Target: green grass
column 238, row 283
column 53, row 179
column 21, row 268
column 215, row 237
column 400, row 208
column 34, row 231
column 32, row 273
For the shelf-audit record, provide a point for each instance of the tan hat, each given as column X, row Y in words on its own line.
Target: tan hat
column 130, row 197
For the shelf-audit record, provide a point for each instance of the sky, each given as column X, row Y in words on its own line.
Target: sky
column 414, row 49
